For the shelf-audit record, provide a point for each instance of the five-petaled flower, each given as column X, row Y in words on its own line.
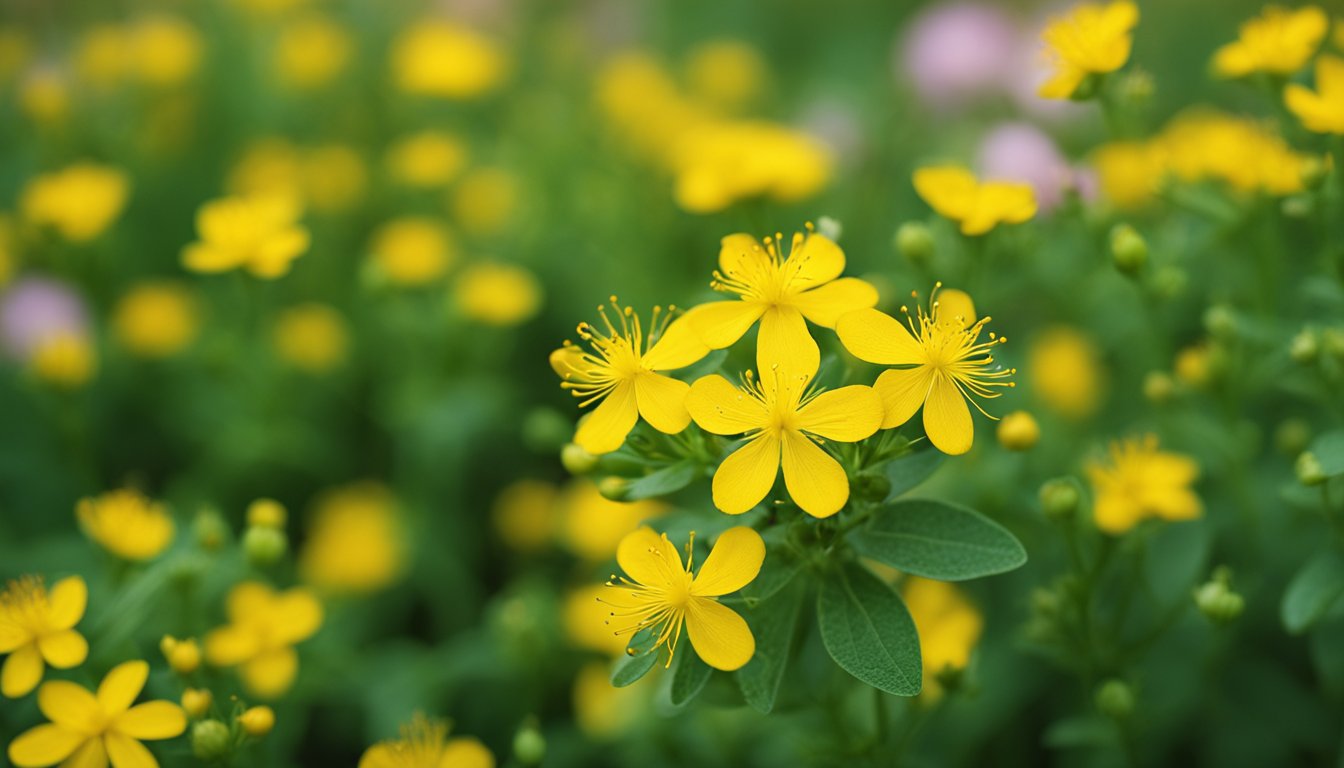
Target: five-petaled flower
column 977, row 206
column 37, row 628
column 424, row 743
column 89, row 730
column 947, row 363
column 783, row 418
column 1322, row 110
column 259, row 233
column 662, row 594
column 126, row 523
column 263, row 628
column 1279, row 41
column 1091, row 39
column 1140, row 482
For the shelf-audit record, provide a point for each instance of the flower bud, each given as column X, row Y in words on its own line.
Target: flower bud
column 184, row 656
column 914, row 242
column 1298, row 206
column 1136, row 88
column 264, row 546
column 1018, row 431
column 1059, row 498
column 1292, row 436
column 1115, row 699
column 1220, row 321
column 613, row 488
column 210, row 740
column 1332, row 342
column 1218, row 602
column 196, row 701
column 1129, row 251
column 1305, row 347
column 210, row 529
column 1169, row 282
column 529, row 746
column 1309, row 470
column 576, row 460
column 1194, row 366
column 546, row 430
column 266, row 513
column 872, row 486
column 257, row 721
column 829, row 227
column 1158, row 387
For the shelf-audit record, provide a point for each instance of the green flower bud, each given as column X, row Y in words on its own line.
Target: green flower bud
column 914, row 242
column 1044, row 602
column 546, row 429
column 1158, row 387
column 210, row 529
column 1136, row 88
column 576, row 460
column 264, row 546
column 872, row 486
column 1309, row 469
column 1292, row 436
column 1059, row 498
column 1305, row 347
column 1298, row 206
column 1169, row 282
column 210, row 740
column 614, row 488
column 1218, row 602
column 529, row 746
column 829, row 228
column 1115, row 699
column 1129, row 251
column 1220, row 321
column 1332, row 342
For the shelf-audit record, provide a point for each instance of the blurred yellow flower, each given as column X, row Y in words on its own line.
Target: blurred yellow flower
column 949, row 627
column 426, row 159
column 591, row 525
column 1018, row 431
column 727, row 74
column 602, row 710
column 91, row 730
column 196, row 702
column 166, row 50
column 65, row 359
column 355, row 541
column 1248, row 156
column 485, row 200
column 720, row 163
column 1066, row 371
column 424, row 743
column 1322, row 110
column 44, row 95
column 978, row 206
column 525, row 514
column 1194, row 365
column 1140, row 482
column 156, row 319
column 497, row 294
column 269, row 167
column 1129, row 172
column 264, row 626
column 37, row 628
column 413, row 250
column 266, row 513
column 311, row 337
column 443, row 59
column 102, row 57
column 662, row 593
column 260, row 234
column 80, row 201
column 334, row 177
column 585, row 620
column 1279, row 41
column 257, row 721
column 126, row 523
column 311, row 52
column 644, row 105
column 1090, row 39
column 183, row 656
column 952, row 366
column 783, row 418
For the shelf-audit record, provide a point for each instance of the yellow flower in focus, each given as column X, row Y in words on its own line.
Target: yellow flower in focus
column 439, row 58
column 311, row 52
column 951, row 365
column 260, row 234
column 156, row 319
column 126, row 524
column 424, row 743
column 720, row 163
column 426, row 159
column 65, row 359
column 624, row 371
column 1279, row 41
column 37, row 628
column 524, row 514
column 45, row 96
column 585, row 621
column 80, row 201
column 485, row 201
column 1066, row 371
column 1322, row 110
column 166, row 51
column 728, row 74
column 334, row 178
column 1090, row 39
column 591, row 525
column 103, row 56
column 949, row 627
column 413, row 250
column 601, row 710
column 660, row 593
column 1141, row 482
column 497, row 294
column 355, row 541
column 783, row 419
column 311, row 337
column 91, row 730
column 1129, row 172
column 264, row 626
column 977, row 206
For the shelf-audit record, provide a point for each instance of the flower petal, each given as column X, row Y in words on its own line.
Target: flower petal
column 877, row 337
column 679, row 346
column 947, row 420
column 647, row 557
column 247, row 600
column 12, row 635
column 721, row 323
column 847, row 414
column 816, row 481
column 733, row 562
column 721, row 638
column 465, row 752
column 44, row 745
column 92, row 755
column 662, row 401
column 953, row 305
column 568, row 363
column 126, row 752
column 606, row 427
column 825, row 305
column 64, row 649
column 118, row 690
column 69, row 705
column 230, row 645
column 719, row 407
column 300, row 616
column 381, row 755
column 784, row 345
column 68, row 598
column 817, row 261
column 153, row 720
column 741, row 254
column 271, row 674
column 903, row 391
column 949, row 190
column 22, row 671
column 746, row 476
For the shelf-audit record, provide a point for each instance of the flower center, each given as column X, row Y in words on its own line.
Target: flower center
column 25, row 600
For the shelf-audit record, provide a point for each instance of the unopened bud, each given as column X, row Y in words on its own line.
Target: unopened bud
column 613, row 488
column 1332, row 342
column 830, row 228
column 1129, row 250
column 872, row 486
column 576, row 460
column 184, row 656
column 196, row 702
column 1305, row 347
column 1169, row 282
column 264, row 546
column 529, row 746
column 1220, row 321
column 210, row 740
column 914, row 242
column 1018, row 431
column 1194, row 366
column 266, row 513
column 1158, row 387
column 1059, row 498
column 1216, row 600
column 1115, row 699
column 210, row 529
column 1309, row 470
column 257, row 721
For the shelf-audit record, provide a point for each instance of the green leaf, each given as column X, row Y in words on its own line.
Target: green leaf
column 639, row 658
column 777, row 571
column 868, row 631
column 912, row 469
column 1329, row 451
column 669, row 479
column 690, row 677
column 938, row 540
column 1312, row 591
column 772, row 623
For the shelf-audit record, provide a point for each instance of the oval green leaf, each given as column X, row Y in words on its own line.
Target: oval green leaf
column 938, row 540
column 868, row 631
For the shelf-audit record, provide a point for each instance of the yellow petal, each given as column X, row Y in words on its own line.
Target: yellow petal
column 568, row 362
column 949, row 190
column 877, row 337
column 44, row 745
column 903, row 391
column 741, row 254
column 956, row 305
column 230, row 645
column 69, row 706
column 662, row 401
column 300, row 615
column 64, row 649
column 785, row 346
column 746, row 476
column 1011, row 203
column 816, row 481
column 826, row 304
column 947, row 420
column 1063, row 83
column 381, row 756
column 1177, row 504
column 200, row 257
column 648, row 557
column 813, row 264
column 22, row 671
column 733, row 562
column 678, row 347
column 719, row 407
column 465, row 752
column 153, row 720
column 606, row 427
column 1115, row 514
column 68, row 598
column 91, row 755
column 126, row 752
column 271, row 674
column 847, row 414
column 247, row 600
column 118, row 690
column 12, row 635
column 721, row 638
column 721, row 323
column 1330, row 75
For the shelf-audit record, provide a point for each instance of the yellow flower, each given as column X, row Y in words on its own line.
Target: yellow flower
column 89, row 730
column 585, row 617
column 951, row 365
column 126, row 524
column 269, row 167
column 1279, row 41
column 602, row 710
column 591, row 525
column 1248, row 156
column 661, row 594
column 1194, row 365
column 264, row 626
column 183, row 656
column 37, row 628
column 1090, row 39
column 65, row 359
column 261, row 234
column 1129, row 172
column 439, row 58
column 166, row 50
column 156, row 319
column 781, row 292
column 355, row 541
column 949, row 627
column 624, row 372
column 196, row 701
column 257, row 721
column 1018, row 431
column 333, row 177
column 80, row 201
column 1141, row 482
column 424, row 743
column 311, row 52
column 426, row 159
column 977, row 206
column 728, row 74
column 1321, row 110
column 413, row 250
column 643, row 103
column 311, row 337
column 1066, row 373
column 485, row 200
column 524, row 514
column 782, row 419
column 497, row 294
column 719, row 163
column 267, row 513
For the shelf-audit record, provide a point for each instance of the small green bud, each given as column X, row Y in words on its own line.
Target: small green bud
column 830, row 228
column 1115, row 699
column 210, row 740
column 915, row 242
column 1220, row 321
column 264, row 546
column 1169, row 282
column 1059, row 498
column 1305, row 347
column 546, row 429
column 1044, row 602
column 1298, row 206
column 1309, row 469
column 1129, row 251
column 1218, row 602
column 1136, row 88
column 1158, row 386
column 1292, row 436
column 210, row 529
column 576, row 460
column 529, row 746
column 872, row 486
column 613, row 488
column 1332, row 342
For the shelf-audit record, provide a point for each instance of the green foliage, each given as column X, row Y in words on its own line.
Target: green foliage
column 938, row 540
column 868, row 631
